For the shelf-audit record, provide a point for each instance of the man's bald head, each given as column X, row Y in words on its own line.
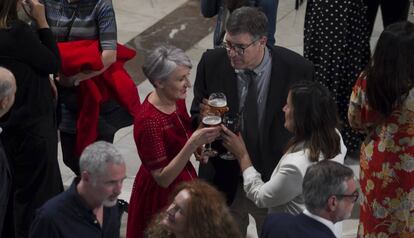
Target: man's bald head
column 7, row 90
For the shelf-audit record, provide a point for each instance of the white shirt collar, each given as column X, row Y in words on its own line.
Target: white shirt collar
column 322, row 220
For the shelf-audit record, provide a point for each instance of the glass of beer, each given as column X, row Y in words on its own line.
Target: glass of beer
column 232, row 122
column 212, row 118
column 218, row 103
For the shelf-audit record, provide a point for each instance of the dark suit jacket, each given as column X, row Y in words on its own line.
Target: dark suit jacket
column 283, row 225
column 215, row 74
column 5, row 186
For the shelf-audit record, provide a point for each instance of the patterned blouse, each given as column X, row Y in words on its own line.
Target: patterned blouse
column 387, row 166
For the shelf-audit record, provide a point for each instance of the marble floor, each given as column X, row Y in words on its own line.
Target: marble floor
column 143, row 24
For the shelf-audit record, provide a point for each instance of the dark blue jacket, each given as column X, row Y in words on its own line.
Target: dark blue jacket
column 282, row 225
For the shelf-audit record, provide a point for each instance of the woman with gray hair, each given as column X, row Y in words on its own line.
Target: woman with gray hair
column 163, row 137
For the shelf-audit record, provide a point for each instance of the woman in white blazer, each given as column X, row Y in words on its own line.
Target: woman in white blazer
column 311, row 115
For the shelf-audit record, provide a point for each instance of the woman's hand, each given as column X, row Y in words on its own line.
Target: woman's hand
column 235, row 144
column 165, row 176
column 204, row 136
column 37, row 12
column 65, row 81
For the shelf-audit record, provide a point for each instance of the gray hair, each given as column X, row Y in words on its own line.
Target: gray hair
column 6, row 82
column 321, row 181
column 247, row 20
column 163, row 61
column 97, row 156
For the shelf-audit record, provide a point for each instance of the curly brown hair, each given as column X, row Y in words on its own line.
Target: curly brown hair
column 207, row 214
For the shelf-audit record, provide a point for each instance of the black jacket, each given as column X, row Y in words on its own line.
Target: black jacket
column 215, row 74
column 283, row 225
column 5, row 185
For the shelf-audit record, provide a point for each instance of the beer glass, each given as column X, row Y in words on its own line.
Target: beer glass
column 218, row 102
column 212, row 118
column 232, row 122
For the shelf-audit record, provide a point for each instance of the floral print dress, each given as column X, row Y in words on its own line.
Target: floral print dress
column 387, row 166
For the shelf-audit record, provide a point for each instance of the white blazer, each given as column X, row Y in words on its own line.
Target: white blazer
column 283, row 192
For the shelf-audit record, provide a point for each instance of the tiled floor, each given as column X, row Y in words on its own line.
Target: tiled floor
column 139, row 19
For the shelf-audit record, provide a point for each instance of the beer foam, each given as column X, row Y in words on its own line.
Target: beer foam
column 217, row 102
column 211, row 120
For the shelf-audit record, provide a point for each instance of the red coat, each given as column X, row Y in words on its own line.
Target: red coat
column 114, row 83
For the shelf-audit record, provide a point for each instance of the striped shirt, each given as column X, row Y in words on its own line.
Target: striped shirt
column 93, row 19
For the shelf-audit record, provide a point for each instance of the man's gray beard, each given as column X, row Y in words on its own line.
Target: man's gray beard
column 109, row 203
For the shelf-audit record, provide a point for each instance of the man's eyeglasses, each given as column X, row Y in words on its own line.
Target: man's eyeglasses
column 238, row 49
column 354, row 195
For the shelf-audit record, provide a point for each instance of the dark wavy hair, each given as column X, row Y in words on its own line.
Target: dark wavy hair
column 390, row 74
column 8, row 12
column 207, row 214
column 247, row 20
column 315, row 120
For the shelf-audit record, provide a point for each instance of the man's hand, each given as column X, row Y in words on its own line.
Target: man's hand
column 200, row 155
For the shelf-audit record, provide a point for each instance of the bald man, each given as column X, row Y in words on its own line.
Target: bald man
column 7, row 92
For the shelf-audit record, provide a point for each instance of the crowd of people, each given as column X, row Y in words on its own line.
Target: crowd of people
column 280, row 160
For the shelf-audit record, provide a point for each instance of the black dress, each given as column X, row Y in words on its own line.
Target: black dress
column 29, row 129
column 336, row 40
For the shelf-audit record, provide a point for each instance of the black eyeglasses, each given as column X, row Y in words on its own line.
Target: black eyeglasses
column 354, row 195
column 239, row 49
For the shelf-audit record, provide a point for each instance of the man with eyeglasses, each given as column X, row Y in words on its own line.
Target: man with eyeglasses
column 255, row 77
column 330, row 192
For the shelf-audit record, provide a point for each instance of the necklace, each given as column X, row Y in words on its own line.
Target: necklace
column 186, row 135
column 181, row 123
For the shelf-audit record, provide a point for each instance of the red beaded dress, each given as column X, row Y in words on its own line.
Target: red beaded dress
column 159, row 137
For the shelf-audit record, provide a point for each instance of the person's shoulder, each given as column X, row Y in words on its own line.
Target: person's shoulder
column 215, row 58
column 215, row 53
column 297, row 158
column 19, row 25
column 287, row 55
column 278, row 222
column 280, row 216
column 53, row 206
column 148, row 116
column 296, row 163
column 146, row 109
